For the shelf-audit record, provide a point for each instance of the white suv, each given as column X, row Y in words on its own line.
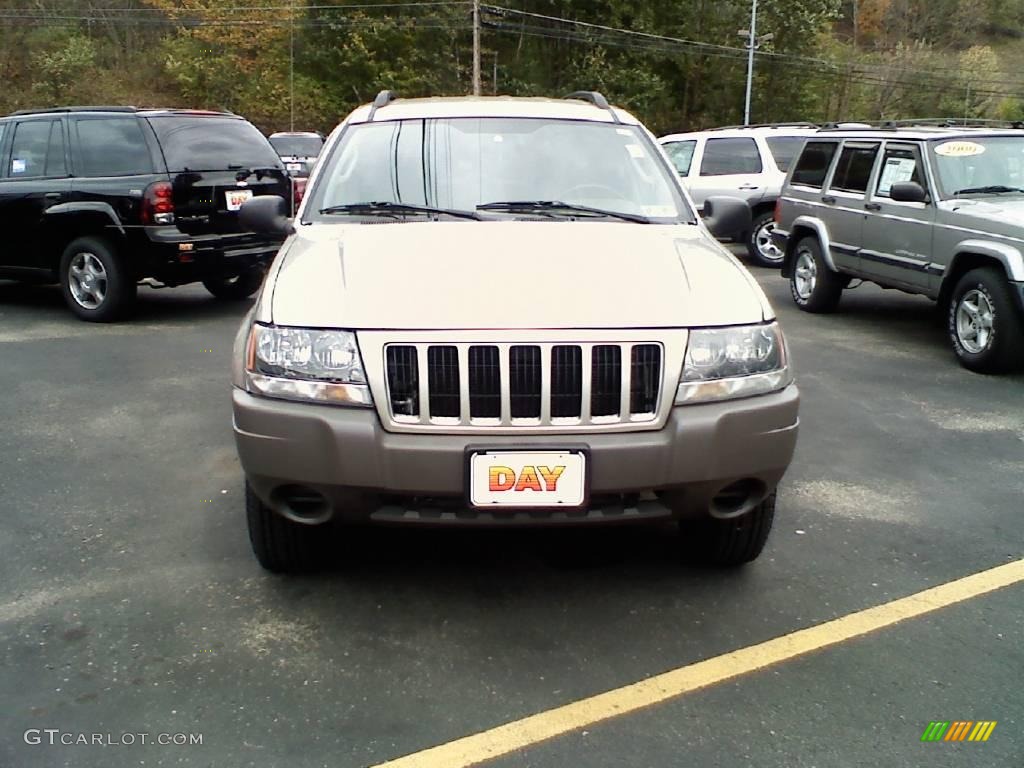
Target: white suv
column 749, row 163
column 505, row 312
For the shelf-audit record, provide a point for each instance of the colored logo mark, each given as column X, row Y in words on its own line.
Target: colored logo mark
column 958, row 730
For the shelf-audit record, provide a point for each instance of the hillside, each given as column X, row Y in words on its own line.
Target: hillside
column 678, row 65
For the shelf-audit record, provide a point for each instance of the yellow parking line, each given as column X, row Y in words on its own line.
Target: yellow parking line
column 542, row 726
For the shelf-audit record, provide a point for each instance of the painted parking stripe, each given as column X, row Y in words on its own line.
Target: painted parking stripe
column 542, row 726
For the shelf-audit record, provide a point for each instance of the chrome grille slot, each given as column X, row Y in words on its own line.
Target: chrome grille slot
column 605, row 380
column 512, row 386
column 524, row 382
column 403, row 380
column 484, row 383
column 566, row 381
column 443, row 381
column 645, row 379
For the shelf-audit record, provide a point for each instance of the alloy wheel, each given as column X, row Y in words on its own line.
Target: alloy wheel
column 805, row 275
column 763, row 242
column 87, row 279
column 975, row 321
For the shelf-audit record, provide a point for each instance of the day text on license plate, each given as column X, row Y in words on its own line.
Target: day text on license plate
column 527, row 479
column 235, row 198
column 294, row 166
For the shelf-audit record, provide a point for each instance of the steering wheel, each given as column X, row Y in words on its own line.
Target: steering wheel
column 580, row 190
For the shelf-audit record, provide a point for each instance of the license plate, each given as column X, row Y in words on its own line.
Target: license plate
column 235, row 198
column 527, row 479
column 294, row 166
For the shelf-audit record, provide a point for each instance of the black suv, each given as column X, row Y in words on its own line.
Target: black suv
column 102, row 198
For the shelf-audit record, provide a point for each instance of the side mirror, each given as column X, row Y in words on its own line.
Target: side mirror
column 266, row 215
column 726, row 216
column 907, row 192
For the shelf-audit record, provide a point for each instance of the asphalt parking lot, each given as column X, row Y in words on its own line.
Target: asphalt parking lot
column 130, row 601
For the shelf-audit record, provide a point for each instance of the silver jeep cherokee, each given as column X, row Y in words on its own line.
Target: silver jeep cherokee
column 506, row 312
column 933, row 210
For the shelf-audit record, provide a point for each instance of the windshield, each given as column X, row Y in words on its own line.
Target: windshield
column 463, row 163
column 297, row 146
column 980, row 165
column 212, row 144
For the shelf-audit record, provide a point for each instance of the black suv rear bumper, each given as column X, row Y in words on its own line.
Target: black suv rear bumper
column 174, row 257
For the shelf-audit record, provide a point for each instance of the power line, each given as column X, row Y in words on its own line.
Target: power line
column 703, row 48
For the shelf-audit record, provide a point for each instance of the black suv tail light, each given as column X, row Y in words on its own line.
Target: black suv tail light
column 157, row 203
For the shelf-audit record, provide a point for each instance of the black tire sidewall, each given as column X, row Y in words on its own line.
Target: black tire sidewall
column 828, row 285
column 121, row 289
column 248, row 283
column 815, row 251
column 989, row 358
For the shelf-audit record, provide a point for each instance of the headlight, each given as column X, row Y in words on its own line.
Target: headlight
column 306, row 364
column 726, row 363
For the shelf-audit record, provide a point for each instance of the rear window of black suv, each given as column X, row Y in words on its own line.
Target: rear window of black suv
column 210, row 143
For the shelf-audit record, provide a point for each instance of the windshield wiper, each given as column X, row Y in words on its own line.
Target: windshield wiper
column 384, row 206
column 993, row 189
column 557, row 206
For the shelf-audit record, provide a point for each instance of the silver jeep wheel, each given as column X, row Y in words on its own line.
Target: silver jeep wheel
column 975, row 321
column 87, row 279
column 767, row 249
column 805, row 274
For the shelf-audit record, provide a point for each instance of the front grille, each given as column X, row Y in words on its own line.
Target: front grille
column 524, row 384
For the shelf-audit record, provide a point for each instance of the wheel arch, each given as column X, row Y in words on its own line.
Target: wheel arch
column 806, row 226
column 71, row 221
column 974, row 254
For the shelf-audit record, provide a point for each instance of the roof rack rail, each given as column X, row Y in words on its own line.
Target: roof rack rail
column 794, row 124
column 952, row 122
column 43, row 111
column 595, row 98
column 928, row 122
column 383, row 99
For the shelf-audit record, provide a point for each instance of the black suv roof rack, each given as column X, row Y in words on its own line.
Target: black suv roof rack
column 794, row 124
column 383, row 99
column 121, row 108
column 46, row 110
column 596, row 98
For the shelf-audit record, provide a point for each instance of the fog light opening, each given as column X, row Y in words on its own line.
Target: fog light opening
column 738, row 498
column 302, row 504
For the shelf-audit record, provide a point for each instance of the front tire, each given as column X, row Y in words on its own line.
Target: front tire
column 729, row 543
column 236, row 288
column 760, row 246
column 815, row 287
column 96, row 285
column 280, row 545
column 985, row 327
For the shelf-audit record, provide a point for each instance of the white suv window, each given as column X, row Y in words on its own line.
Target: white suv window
column 784, row 149
column 728, row 157
column 681, row 155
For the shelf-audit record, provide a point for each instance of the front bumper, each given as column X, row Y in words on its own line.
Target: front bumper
column 367, row 474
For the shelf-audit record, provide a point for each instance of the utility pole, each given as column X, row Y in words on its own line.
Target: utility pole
column 291, row 63
column 476, row 47
column 750, row 61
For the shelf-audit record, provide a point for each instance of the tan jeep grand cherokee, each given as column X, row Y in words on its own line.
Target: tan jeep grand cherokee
column 503, row 312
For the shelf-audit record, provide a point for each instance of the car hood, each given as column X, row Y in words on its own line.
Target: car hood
column 1007, row 214
column 510, row 274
